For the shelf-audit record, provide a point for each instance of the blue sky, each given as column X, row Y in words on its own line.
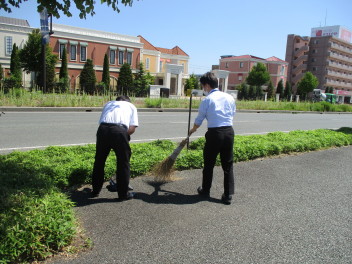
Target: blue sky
column 206, row 29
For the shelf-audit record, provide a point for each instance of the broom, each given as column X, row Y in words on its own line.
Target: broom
column 163, row 171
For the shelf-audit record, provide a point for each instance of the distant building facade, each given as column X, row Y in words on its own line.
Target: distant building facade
column 238, row 68
column 13, row 31
column 327, row 54
column 169, row 66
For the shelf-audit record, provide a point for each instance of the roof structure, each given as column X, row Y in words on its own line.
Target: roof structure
column 273, row 58
column 244, row 57
column 174, row 51
column 14, row 21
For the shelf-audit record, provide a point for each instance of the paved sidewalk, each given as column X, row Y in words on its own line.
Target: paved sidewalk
column 290, row 209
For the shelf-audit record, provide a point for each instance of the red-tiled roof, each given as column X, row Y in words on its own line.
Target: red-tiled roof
column 244, row 57
column 147, row 44
column 174, row 51
column 273, row 58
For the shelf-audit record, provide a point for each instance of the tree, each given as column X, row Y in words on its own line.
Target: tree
column 280, row 89
column 192, row 83
column 85, row 7
column 50, row 61
column 252, row 92
column 243, row 91
column 307, row 84
column 63, row 84
column 141, row 84
column 106, row 73
column 88, row 78
column 258, row 76
column 31, row 54
column 15, row 64
column 288, row 91
column 1, row 73
column 125, row 81
column 271, row 91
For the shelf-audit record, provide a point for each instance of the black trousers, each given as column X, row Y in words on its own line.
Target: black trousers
column 111, row 136
column 219, row 140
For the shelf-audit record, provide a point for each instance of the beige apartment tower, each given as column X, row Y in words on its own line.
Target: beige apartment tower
column 327, row 53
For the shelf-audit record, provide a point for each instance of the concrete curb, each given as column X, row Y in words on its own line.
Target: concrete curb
column 99, row 109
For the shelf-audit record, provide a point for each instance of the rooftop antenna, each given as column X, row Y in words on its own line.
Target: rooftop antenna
column 326, row 14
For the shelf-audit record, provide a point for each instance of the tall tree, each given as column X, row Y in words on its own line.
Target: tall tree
column 307, row 84
column 243, row 91
column 192, row 83
column 106, row 73
column 31, row 54
column 15, row 64
column 141, row 84
column 1, row 73
column 280, row 89
column 63, row 69
column 50, row 61
column 271, row 91
column 252, row 92
column 288, row 91
column 125, row 81
column 88, row 78
column 258, row 76
column 85, row 7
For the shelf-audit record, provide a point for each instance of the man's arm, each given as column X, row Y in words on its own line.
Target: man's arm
column 131, row 130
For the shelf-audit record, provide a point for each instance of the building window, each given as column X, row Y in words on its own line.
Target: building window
column 315, row 68
column 61, row 50
column 73, row 52
column 147, row 61
column 112, row 56
column 240, row 77
column 314, row 59
column 83, row 53
column 161, row 66
column 226, row 64
column 8, row 45
column 316, row 41
column 241, row 64
column 315, row 51
column 129, row 57
column 121, row 55
column 282, row 70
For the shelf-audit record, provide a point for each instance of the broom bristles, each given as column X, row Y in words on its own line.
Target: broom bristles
column 163, row 171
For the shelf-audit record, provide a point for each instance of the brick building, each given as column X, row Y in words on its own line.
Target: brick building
column 238, row 68
column 169, row 66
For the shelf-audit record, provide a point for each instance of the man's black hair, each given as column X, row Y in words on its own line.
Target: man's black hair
column 123, row 98
column 209, row 78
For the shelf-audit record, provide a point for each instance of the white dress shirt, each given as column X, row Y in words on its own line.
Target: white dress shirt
column 218, row 108
column 119, row 112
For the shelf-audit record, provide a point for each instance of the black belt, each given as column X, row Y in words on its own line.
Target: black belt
column 219, row 128
column 115, row 124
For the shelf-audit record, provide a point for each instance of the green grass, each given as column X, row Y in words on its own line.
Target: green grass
column 37, row 217
column 21, row 98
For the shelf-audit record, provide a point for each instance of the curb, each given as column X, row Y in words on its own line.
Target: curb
column 99, row 109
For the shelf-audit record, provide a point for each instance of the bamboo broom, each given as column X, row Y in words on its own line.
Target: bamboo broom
column 163, row 171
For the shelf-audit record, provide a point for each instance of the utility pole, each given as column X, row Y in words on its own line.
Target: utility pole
column 44, row 28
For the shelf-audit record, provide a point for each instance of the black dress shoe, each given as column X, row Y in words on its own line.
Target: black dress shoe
column 128, row 196
column 203, row 193
column 226, row 199
column 93, row 194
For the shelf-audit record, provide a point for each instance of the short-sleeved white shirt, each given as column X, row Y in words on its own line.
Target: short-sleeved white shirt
column 119, row 112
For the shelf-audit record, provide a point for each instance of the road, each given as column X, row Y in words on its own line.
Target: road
column 28, row 130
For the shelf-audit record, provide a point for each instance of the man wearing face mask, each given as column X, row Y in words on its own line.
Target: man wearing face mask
column 219, row 109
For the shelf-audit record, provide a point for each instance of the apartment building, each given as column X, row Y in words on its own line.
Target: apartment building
column 327, row 53
column 169, row 66
column 238, row 68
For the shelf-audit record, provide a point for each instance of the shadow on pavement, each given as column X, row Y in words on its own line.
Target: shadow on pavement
column 158, row 196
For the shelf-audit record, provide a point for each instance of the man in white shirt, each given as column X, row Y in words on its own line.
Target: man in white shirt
column 117, row 122
column 219, row 109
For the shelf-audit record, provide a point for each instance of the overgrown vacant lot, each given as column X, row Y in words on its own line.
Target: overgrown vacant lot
column 36, row 214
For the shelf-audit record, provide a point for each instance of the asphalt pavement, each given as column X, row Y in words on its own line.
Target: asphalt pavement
column 287, row 209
